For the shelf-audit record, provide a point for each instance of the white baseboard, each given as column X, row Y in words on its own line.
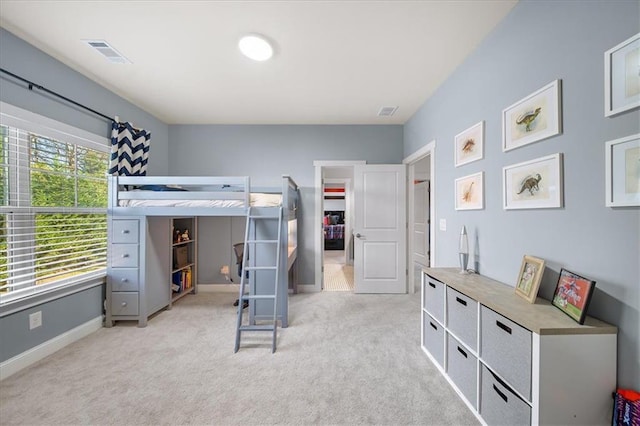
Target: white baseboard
column 35, row 354
column 307, row 288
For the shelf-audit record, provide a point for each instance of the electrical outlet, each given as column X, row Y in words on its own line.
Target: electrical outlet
column 35, row 320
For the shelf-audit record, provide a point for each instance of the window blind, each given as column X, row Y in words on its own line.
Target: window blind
column 53, row 226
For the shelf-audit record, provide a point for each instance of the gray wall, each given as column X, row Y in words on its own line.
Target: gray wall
column 265, row 153
column 23, row 59
column 58, row 317
column 539, row 42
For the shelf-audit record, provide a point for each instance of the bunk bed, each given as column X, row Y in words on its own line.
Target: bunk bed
column 150, row 218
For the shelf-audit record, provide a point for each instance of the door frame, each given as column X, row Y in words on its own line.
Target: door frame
column 428, row 150
column 319, row 165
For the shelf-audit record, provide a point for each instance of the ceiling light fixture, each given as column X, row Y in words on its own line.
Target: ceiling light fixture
column 255, row 47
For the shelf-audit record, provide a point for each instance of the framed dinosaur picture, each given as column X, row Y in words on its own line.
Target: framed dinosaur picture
column 469, row 192
column 469, row 144
column 534, row 118
column 622, row 77
column 534, row 184
column 622, row 172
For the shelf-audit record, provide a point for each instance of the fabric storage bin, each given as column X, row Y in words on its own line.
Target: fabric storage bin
column 433, row 294
column 462, row 317
column 433, row 339
column 462, row 368
column 506, row 347
column 499, row 405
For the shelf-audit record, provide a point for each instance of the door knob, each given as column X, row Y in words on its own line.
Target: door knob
column 358, row 235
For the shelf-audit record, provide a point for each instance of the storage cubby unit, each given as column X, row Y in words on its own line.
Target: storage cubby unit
column 513, row 362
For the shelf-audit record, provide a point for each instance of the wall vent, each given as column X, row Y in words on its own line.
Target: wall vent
column 106, row 50
column 387, row 111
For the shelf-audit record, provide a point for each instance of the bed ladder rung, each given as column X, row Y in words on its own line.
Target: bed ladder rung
column 251, row 237
column 258, row 297
column 262, row 241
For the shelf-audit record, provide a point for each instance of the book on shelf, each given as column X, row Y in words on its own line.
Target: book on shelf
column 181, row 280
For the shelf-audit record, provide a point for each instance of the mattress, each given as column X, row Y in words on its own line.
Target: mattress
column 257, row 199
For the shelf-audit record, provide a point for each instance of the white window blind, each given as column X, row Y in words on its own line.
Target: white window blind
column 53, row 227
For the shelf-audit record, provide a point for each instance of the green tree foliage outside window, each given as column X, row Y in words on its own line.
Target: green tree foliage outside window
column 67, row 184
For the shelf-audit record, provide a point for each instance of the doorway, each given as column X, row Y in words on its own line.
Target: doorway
column 421, row 235
column 329, row 173
column 336, row 224
column 378, row 205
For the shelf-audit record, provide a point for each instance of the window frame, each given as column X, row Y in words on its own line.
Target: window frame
column 18, row 118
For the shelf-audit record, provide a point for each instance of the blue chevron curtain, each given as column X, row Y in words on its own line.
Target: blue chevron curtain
column 129, row 150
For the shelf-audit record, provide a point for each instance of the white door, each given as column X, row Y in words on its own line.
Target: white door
column 421, row 223
column 380, row 229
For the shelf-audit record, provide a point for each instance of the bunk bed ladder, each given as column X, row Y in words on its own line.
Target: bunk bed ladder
column 250, row 270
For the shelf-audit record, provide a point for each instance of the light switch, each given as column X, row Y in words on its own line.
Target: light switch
column 443, row 224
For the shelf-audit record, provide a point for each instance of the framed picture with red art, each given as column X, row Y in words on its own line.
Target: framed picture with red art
column 573, row 294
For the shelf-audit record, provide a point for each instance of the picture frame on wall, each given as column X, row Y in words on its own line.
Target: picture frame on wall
column 573, row 294
column 622, row 77
column 529, row 278
column 622, row 172
column 469, row 192
column 469, row 145
column 534, row 118
column 534, row 184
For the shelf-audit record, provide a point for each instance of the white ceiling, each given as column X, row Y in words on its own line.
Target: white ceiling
column 336, row 62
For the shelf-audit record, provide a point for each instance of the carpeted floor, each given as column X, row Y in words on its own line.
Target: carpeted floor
column 345, row 359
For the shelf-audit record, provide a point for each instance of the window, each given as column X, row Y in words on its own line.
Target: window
column 53, row 225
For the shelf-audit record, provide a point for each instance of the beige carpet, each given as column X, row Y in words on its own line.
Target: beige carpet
column 340, row 362
column 337, row 275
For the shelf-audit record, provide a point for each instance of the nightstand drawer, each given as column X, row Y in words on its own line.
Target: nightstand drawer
column 124, row 231
column 433, row 339
column 124, row 256
column 124, row 304
column 462, row 317
column 433, row 295
column 506, row 347
column 123, row 279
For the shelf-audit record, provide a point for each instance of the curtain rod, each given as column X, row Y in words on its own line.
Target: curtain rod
column 51, row 92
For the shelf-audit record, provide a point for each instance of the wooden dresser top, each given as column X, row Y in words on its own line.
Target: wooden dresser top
column 540, row 317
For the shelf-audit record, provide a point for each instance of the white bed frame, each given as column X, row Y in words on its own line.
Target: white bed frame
column 153, row 290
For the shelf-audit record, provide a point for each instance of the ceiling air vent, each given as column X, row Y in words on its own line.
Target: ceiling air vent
column 107, row 51
column 387, row 111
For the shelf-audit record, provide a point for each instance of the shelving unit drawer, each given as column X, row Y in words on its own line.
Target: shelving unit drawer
column 433, row 338
column 433, row 294
column 124, row 255
column 462, row 317
column 499, row 405
column 124, row 304
column 123, row 279
column 462, row 368
column 506, row 347
column 124, row 231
